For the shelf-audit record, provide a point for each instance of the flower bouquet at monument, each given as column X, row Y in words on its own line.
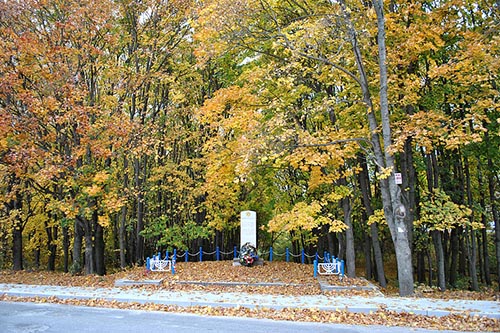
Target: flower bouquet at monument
column 248, row 254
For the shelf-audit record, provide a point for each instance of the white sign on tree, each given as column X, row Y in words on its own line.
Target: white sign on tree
column 248, row 227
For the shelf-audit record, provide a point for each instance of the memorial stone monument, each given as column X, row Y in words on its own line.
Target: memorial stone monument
column 248, row 228
column 248, row 232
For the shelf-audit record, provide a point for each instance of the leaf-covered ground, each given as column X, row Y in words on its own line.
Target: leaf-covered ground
column 282, row 278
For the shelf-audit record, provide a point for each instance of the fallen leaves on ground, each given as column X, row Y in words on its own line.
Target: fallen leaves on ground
column 284, row 278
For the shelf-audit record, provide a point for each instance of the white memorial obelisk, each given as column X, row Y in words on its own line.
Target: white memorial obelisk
column 248, row 228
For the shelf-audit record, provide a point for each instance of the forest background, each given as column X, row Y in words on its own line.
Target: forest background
column 129, row 127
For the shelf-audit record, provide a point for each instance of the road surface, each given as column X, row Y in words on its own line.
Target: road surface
column 56, row 318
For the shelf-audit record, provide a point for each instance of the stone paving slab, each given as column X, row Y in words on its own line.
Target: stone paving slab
column 126, row 282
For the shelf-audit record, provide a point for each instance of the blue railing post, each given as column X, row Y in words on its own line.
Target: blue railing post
column 217, row 253
column 186, row 254
column 172, row 263
column 201, row 254
column 316, row 256
column 303, row 256
column 342, row 268
column 235, row 252
column 315, row 268
column 166, row 255
column 287, row 255
column 271, row 254
column 148, row 264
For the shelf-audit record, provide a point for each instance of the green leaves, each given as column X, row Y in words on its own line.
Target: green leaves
column 438, row 212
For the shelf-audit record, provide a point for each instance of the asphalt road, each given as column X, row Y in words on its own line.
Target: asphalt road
column 56, row 318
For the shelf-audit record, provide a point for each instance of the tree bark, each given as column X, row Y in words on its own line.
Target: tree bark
column 409, row 184
column 438, row 246
column 52, row 246
column 421, row 267
column 76, row 266
column 139, row 250
column 395, row 211
column 484, row 234
column 89, row 245
column 17, row 233
column 123, row 218
column 99, row 247
column 66, row 248
column 494, row 213
column 364, row 184
column 350, row 260
column 367, row 250
column 471, row 242
column 17, row 245
column 455, row 249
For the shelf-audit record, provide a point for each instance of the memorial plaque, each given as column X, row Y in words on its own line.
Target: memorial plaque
column 248, row 228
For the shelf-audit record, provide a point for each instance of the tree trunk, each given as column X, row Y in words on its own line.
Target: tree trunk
column 139, row 250
column 409, row 184
column 89, row 254
column 472, row 257
column 429, row 262
column 471, row 243
column 123, row 218
column 89, row 246
column 367, row 250
column 438, row 246
column 52, row 246
column 494, row 212
column 350, row 260
column 36, row 254
column 76, row 267
column 421, row 267
column 66, row 242
column 17, row 245
column 331, row 242
column 17, row 233
column 455, row 249
column 341, row 246
column 364, row 184
column 394, row 210
column 484, row 235
column 100, row 264
column 462, row 257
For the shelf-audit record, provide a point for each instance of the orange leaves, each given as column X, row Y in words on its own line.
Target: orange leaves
column 431, row 129
column 232, row 108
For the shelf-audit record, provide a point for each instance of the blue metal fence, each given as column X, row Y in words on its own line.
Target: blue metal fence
column 271, row 254
column 330, row 264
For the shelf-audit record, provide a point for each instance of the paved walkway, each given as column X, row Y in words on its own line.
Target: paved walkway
column 421, row 306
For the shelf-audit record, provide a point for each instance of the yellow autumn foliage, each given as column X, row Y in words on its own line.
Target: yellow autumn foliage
column 439, row 212
column 377, row 217
column 304, row 216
